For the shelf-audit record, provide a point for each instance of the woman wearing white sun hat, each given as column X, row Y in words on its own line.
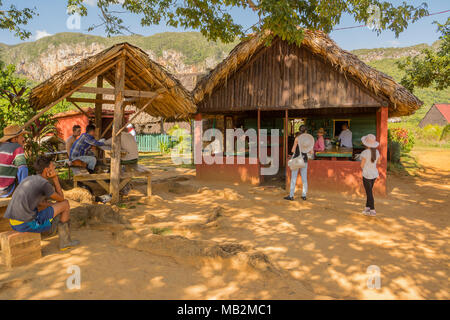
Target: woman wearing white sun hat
column 369, row 160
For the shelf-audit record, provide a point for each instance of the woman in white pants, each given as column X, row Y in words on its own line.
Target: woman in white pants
column 303, row 144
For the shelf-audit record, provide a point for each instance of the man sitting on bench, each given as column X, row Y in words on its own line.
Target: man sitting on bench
column 13, row 165
column 29, row 210
column 76, row 132
column 81, row 148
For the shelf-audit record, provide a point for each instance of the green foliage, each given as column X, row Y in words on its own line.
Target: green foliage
column 283, row 17
column 431, row 132
column 402, row 136
column 15, row 109
column 429, row 96
column 164, row 147
column 433, row 68
column 445, row 136
column 14, row 19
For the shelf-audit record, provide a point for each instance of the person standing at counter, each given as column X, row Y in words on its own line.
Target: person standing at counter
column 369, row 160
column 345, row 137
column 303, row 144
column 320, row 143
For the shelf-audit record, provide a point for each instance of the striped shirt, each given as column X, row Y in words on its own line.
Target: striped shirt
column 12, row 157
column 82, row 145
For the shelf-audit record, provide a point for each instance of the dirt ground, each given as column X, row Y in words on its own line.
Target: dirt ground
column 214, row 241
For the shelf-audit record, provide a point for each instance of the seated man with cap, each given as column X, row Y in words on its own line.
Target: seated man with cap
column 13, row 165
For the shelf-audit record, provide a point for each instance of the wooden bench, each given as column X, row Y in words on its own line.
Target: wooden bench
column 19, row 248
column 131, row 172
column 4, row 223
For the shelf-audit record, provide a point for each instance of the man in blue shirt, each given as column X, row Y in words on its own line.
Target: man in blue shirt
column 81, row 148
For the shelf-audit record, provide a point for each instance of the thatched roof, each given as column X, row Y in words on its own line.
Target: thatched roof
column 141, row 73
column 402, row 102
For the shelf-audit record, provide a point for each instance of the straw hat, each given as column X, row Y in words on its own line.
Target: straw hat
column 11, row 132
column 306, row 142
column 321, row 131
column 370, row 141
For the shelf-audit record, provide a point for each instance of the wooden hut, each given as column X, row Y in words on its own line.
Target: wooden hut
column 133, row 78
column 274, row 87
column 439, row 114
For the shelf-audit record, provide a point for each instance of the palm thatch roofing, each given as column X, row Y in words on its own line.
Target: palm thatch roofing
column 402, row 102
column 141, row 73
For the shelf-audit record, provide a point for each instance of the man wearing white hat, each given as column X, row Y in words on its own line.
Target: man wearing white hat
column 303, row 144
column 369, row 160
column 13, row 165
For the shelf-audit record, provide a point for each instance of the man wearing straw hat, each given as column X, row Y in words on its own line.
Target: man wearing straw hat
column 13, row 165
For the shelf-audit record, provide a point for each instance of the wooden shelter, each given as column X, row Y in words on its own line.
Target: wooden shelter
column 438, row 114
column 274, row 87
column 134, row 79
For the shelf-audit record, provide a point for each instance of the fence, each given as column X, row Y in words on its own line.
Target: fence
column 150, row 142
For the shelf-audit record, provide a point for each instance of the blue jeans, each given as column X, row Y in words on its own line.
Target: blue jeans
column 304, row 175
column 89, row 160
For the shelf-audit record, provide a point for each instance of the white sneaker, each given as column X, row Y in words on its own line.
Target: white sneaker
column 372, row 213
column 366, row 211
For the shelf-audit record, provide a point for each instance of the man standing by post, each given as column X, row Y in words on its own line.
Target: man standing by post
column 346, row 137
column 13, row 165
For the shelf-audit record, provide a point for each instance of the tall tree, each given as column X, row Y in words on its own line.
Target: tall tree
column 431, row 68
column 213, row 19
column 14, row 19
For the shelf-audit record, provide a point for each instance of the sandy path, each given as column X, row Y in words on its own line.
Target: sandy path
column 322, row 246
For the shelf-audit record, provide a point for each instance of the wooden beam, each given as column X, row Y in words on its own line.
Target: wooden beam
column 79, row 108
column 51, row 105
column 136, row 114
column 117, row 123
column 98, row 109
column 111, row 91
column 87, row 100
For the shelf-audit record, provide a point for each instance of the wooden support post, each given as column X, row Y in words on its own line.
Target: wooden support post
column 98, row 109
column 117, row 124
column 198, row 139
column 382, row 138
column 259, row 135
column 285, row 136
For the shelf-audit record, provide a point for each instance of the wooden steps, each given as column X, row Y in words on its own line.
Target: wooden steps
column 19, row 248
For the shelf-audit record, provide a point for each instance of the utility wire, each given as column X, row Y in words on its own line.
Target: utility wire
column 363, row 25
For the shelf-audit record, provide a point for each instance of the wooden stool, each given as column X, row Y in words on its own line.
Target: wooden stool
column 19, row 248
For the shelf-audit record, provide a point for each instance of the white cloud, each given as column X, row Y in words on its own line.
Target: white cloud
column 91, row 3
column 394, row 43
column 41, row 34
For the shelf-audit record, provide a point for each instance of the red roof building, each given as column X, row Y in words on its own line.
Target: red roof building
column 439, row 114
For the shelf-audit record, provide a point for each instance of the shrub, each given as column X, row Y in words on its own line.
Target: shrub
column 431, row 132
column 445, row 136
column 403, row 136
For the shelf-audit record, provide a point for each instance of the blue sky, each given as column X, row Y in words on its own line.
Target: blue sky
column 53, row 17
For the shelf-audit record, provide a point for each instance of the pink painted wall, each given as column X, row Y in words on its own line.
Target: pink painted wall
column 65, row 124
column 241, row 173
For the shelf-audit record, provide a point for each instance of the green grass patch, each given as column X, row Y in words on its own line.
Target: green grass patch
column 161, row 231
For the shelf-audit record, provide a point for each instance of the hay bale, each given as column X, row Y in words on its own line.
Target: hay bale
column 80, row 195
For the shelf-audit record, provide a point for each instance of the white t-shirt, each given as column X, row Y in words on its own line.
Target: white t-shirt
column 369, row 170
column 127, row 143
column 346, row 138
